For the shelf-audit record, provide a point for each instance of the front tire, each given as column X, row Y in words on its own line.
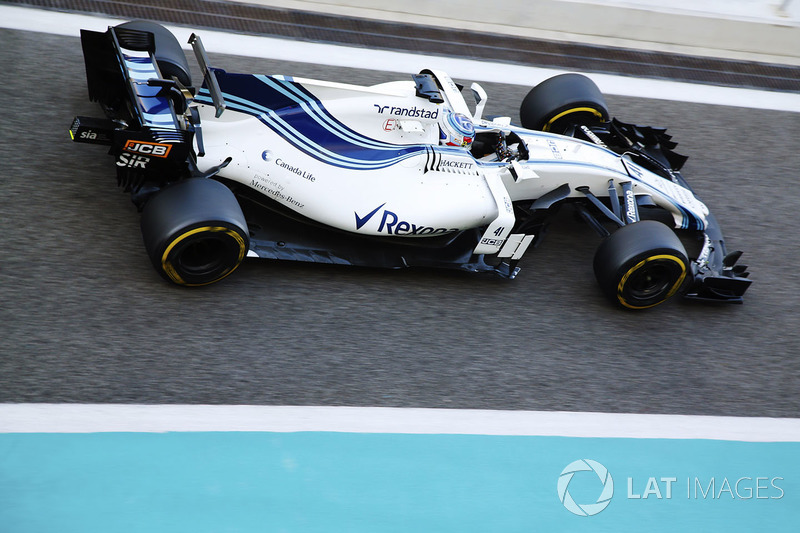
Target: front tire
column 194, row 232
column 563, row 101
column 641, row 265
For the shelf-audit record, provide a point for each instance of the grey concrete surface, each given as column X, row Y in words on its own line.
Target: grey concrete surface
column 85, row 318
column 753, row 30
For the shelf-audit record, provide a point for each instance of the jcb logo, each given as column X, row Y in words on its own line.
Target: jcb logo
column 153, row 149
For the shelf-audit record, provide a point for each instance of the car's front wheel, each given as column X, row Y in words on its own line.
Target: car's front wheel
column 641, row 265
column 563, row 101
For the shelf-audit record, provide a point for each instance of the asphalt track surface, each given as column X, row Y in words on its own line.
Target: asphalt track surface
column 85, row 318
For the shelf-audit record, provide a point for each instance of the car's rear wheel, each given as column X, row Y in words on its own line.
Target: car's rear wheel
column 169, row 55
column 194, row 232
column 561, row 102
column 641, row 265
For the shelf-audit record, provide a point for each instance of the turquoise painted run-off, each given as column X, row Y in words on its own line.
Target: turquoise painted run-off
column 352, row 482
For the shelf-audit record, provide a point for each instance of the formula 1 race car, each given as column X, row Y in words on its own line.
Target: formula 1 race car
column 392, row 175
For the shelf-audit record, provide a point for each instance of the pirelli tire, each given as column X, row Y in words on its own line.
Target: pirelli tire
column 169, row 55
column 562, row 101
column 641, row 265
column 194, row 232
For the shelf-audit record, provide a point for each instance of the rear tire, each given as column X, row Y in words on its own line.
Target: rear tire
column 194, row 232
column 641, row 265
column 169, row 55
column 562, row 101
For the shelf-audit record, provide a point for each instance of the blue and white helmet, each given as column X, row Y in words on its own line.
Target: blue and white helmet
column 456, row 129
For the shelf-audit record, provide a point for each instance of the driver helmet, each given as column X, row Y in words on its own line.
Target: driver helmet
column 456, row 130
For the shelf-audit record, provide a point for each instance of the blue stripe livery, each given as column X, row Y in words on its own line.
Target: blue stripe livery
column 299, row 117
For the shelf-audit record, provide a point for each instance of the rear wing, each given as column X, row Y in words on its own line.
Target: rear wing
column 146, row 123
column 122, row 74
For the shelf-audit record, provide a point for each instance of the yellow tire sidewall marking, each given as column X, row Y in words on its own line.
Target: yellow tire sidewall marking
column 169, row 269
column 640, row 264
column 594, row 112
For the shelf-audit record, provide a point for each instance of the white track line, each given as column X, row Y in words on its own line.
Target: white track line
column 97, row 418
column 324, row 54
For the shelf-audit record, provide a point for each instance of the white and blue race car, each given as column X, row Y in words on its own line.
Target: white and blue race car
column 392, row 175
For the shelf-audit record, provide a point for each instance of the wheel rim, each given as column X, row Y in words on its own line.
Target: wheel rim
column 651, row 281
column 203, row 255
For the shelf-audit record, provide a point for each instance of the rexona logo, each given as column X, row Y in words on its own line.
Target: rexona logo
column 392, row 224
column 585, row 482
column 411, row 112
column 148, row 148
column 630, row 201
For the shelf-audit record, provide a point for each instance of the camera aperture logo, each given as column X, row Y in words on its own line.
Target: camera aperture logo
column 589, row 508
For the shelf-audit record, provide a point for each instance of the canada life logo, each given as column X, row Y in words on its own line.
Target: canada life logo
column 583, row 508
